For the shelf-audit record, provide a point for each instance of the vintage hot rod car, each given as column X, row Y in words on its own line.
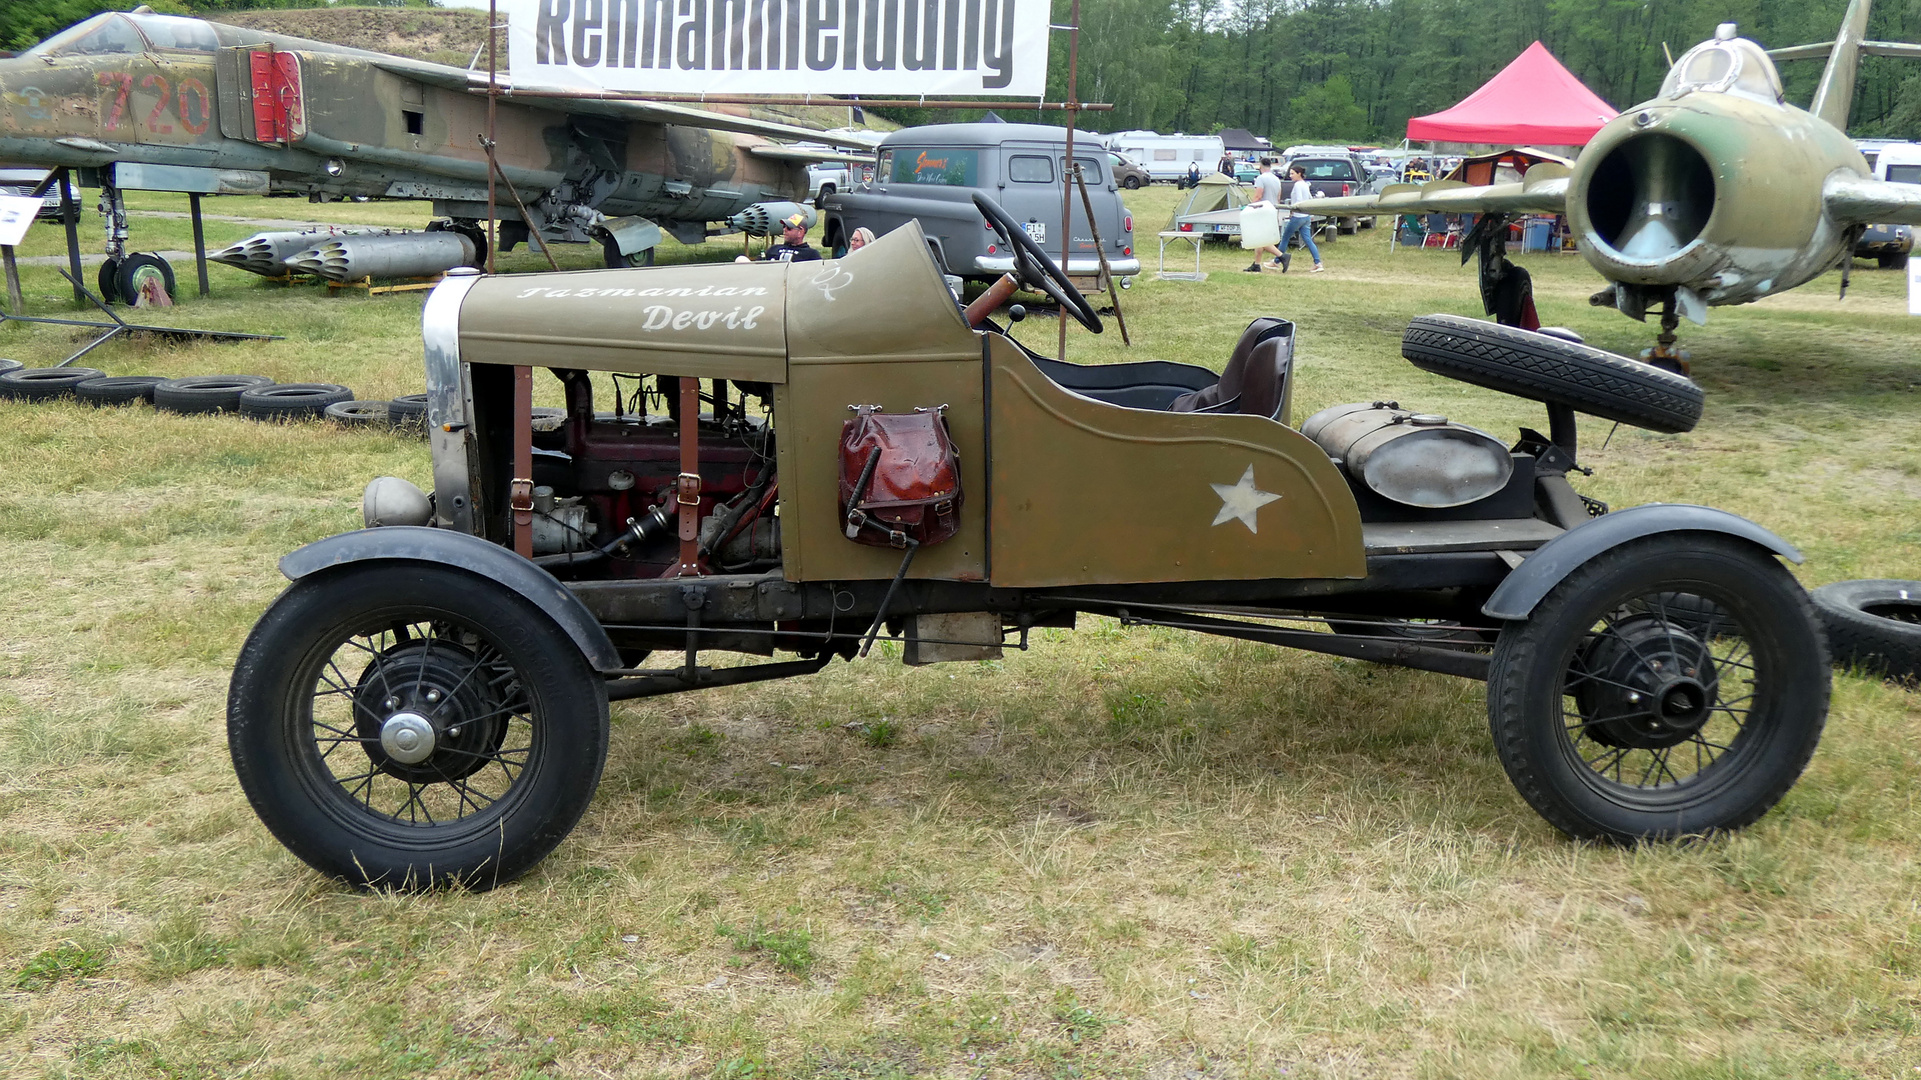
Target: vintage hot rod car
column 801, row 456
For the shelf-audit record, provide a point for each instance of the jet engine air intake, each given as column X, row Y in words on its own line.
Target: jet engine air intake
column 1650, row 197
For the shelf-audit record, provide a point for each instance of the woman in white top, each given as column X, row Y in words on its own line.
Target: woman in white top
column 1299, row 222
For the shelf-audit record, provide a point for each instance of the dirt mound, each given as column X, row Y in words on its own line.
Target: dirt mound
column 445, row 36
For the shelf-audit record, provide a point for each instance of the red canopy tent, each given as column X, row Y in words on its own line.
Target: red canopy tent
column 1534, row 101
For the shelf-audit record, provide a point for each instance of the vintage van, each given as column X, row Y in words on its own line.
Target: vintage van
column 930, row 175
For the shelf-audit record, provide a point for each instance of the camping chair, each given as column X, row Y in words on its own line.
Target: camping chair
column 1408, row 231
column 1441, row 232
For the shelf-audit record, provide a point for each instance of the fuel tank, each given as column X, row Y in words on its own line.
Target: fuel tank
column 1415, row 459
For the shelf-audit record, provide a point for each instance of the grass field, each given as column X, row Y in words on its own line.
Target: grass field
column 1125, row 853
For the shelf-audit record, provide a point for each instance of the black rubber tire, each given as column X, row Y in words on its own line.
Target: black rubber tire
column 1892, row 262
column 108, row 278
column 408, row 411
column 1132, row 183
column 1873, row 624
column 10, row 365
column 118, row 389
column 292, row 401
column 287, row 693
column 358, row 413
column 614, row 260
column 136, row 268
column 44, row 384
column 1543, row 661
column 1551, row 369
column 206, row 393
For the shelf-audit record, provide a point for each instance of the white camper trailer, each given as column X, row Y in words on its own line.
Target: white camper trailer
column 1166, row 157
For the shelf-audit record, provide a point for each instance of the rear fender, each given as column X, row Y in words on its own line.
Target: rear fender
column 1549, row 564
column 444, row 547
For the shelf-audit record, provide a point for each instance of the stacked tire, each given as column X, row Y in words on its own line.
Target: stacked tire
column 1873, row 625
column 205, row 393
column 44, row 384
column 292, row 401
column 118, row 389
column 356, row 414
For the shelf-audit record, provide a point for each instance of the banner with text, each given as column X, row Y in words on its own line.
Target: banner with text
column 880, row 48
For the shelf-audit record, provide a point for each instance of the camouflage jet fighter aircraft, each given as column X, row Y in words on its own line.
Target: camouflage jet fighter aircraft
column 167, row 103
column 1715, row 192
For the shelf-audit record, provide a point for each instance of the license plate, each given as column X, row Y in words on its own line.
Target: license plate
column 1223, row 228
column 1037, row 230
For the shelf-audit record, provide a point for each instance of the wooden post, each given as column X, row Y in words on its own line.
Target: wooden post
column 199, row 243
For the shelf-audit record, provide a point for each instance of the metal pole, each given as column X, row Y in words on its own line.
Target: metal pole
column 199, row 244
column 70, row 217
column 800, row 99
column 15, row 301
column 1067, row 191
column 493, row 101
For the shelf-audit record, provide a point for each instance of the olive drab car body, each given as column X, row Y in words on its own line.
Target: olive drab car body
column 170, row 103
column 874, row 327
column 427, row 702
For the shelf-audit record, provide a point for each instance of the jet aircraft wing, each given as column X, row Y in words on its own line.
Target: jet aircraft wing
column 1543, row 192
column 613, row 107
column 1857, row 200
column 807, row 153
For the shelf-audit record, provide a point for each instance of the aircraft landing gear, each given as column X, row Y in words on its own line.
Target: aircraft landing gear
column 123, row 276
column 1664, row 354
column 1635, row 301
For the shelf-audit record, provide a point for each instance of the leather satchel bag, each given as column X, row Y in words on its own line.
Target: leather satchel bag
column 899, row 477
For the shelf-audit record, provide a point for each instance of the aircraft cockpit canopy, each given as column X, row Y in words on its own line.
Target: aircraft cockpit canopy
column 117, row 32
column 1726, row 65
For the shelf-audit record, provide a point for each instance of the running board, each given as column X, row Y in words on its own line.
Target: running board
column 1467, row 665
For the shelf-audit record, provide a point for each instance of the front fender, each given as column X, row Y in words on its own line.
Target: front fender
column 1553, row 561
column 412, row 543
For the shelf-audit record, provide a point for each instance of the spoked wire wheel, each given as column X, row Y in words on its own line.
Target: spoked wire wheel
column 407, row 725
column 1673, row 686
column 422, row 723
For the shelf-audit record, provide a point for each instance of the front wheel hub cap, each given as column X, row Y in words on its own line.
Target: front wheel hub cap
column 1647, row 684
column 407, row 737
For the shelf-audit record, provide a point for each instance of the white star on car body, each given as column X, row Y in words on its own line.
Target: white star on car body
column 1242, row 500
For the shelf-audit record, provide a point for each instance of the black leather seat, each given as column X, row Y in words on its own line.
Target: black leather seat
column 1258, row 378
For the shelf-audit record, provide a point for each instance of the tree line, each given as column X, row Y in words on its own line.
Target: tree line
column 1339, row 70
column 1357, row 70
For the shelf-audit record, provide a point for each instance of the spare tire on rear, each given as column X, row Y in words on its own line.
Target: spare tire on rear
column 44, row 384
column 292, row 401
column 1542, row 367
column 1874, row 625
column 205, row 393
column 118, row 389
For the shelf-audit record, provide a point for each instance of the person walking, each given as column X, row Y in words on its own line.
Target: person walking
column 1267, row 189
column 1226, row 167
column 1299, row 221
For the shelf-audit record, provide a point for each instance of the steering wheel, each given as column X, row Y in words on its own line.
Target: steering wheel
column 1035, row 267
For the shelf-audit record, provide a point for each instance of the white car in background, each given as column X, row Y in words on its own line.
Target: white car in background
column 21, row 180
